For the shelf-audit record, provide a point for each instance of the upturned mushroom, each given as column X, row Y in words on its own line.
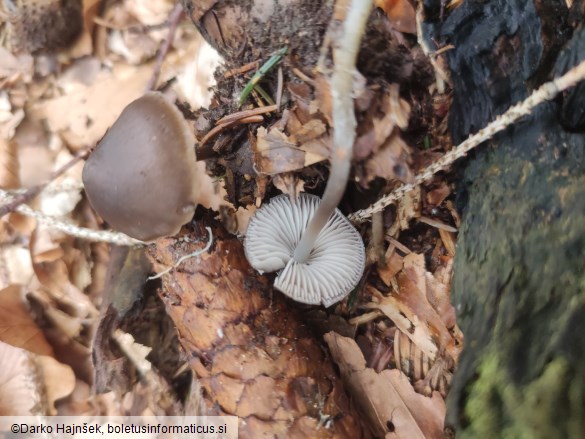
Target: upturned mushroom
column 320, row 255
column 334, row 265
column 141, row 178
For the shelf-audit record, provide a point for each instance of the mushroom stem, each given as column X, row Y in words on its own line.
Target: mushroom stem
column 344, row 56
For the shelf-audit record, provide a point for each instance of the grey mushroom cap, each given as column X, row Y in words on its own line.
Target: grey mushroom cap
column 141, row 178
column 334, row 266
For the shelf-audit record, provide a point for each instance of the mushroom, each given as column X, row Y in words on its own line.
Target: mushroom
column 321, row 255
column 334, row 265
column 141, row 178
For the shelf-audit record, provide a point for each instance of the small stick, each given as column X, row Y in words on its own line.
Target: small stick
column 32, row 192
column 245, row 113
column 243, row 69
column 78, row 232
column 173, row 21
column 437, row 224
column 219, row 128
column 545, row 92
column 279, row 88
column 303, row 76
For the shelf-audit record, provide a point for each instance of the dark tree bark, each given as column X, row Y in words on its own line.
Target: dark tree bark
column 519, row 282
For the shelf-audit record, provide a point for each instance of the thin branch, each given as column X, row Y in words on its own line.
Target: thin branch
column 173, row 21
column 73, row 230
column 32, row 192
column 544, row 93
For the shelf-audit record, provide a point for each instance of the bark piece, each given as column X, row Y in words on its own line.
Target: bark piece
column 253, row 356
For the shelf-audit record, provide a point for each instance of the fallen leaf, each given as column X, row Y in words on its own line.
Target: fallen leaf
column 58, row 380
column 390, row 162
column 17, row 327
column 436, row 196
column 19, row 383
column 400, row 13
column 387, row 400
column 412, row 312
column 389, row 113
column 275, row 153
column 30, row 384
column 84, row 116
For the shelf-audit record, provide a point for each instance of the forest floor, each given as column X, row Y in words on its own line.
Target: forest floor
column 55, row 106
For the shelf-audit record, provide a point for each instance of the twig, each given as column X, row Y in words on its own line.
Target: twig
column 303, row 76
column 51, row 188
column 32, row 192
column 173, row 21
column 279, row 88
column 73, row 230
column 185, row 257
column 219, row 128
column 246, row 113
column 243, row 69
column 544, row 93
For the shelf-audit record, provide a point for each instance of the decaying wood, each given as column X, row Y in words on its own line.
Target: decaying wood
column 519, row 281
column 252, row 355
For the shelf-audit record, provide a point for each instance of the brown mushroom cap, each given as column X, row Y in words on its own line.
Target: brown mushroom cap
column 334, row 265
column 141, row 178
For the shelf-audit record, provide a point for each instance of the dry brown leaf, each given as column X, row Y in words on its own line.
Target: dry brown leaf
column 390, row 162
column 409, row 207
column 31, row 384
column 393, row 265
column 58, row 380
column 400, row 13
column 17, row 327
column 289, row 184
column 10, row 117
column 413, row 313
column 83, row 116
column 394, row 114
column 34, row 152
column 53, row 274
column 387, row 400
column 17, row 267
column 275, row 152
column 19, row 384
column 438, row 195
column 323, row 103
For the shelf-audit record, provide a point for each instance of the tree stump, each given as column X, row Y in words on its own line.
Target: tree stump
column 519, row 278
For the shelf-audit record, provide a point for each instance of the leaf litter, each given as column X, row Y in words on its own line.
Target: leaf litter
column 52, row 284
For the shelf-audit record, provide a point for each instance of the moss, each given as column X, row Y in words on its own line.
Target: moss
column 498, row 408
